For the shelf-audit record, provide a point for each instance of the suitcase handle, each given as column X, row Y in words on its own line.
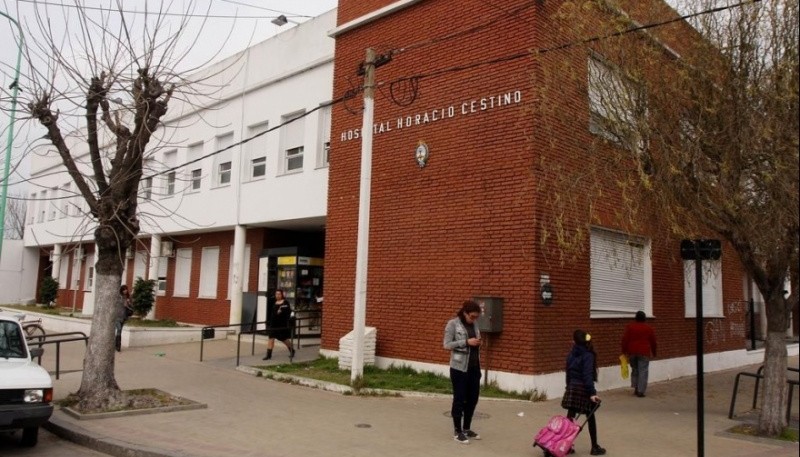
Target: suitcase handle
column 591, row 413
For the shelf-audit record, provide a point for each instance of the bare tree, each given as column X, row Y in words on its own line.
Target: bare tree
column 15, row 217
column 101, row 91
column 694, row 126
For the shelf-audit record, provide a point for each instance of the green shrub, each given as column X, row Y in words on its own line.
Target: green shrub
column 48, row 290
column 143, row 296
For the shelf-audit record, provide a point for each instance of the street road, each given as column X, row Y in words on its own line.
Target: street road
column 49, row 446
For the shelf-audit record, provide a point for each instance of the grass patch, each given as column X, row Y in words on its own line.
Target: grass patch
column 401, row 378
column 51, row 310
column 153, row 323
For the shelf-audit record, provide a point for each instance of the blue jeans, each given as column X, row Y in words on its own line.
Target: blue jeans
column 640, row 367
column 466, row 390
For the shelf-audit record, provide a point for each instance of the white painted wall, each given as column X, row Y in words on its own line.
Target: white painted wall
column 18, row 272
column 290, row 72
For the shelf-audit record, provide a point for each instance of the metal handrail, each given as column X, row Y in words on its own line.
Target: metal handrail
column 758, row 375
column 41, row 340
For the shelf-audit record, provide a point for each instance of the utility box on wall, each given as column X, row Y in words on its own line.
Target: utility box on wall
column 491, row 320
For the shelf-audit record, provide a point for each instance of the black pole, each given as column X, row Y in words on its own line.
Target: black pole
column 698, row 287
column 752, row 323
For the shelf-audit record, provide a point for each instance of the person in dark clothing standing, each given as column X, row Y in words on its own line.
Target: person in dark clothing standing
column 463, row 339
column 279, row 327
column 580, row 396
column 639, row 344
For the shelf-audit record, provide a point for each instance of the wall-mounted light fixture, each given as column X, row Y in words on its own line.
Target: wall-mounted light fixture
column 282, row 20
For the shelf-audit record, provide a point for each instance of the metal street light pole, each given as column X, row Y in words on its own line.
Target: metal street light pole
column 14, row 91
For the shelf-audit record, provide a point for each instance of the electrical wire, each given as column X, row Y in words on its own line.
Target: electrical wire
column 162, row 14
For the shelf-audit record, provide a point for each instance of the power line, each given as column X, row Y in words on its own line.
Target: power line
column 110, row 10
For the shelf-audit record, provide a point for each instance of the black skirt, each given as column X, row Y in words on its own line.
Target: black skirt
column 577, row 398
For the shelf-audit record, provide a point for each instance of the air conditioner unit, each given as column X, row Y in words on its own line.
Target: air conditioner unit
column 166, row 249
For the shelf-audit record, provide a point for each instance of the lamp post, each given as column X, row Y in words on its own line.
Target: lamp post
column 14, row 91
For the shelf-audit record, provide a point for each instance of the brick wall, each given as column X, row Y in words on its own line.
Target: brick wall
column 469, row 223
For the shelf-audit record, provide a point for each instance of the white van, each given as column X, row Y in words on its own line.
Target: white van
column 26, row 390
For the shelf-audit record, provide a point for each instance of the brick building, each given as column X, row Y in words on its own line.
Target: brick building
column 470, row 222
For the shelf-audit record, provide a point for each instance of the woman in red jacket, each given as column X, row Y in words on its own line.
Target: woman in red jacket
column 639, row 344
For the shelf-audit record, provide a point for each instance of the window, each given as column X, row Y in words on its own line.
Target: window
column 292, row 133
column 245, row 275
column 256, row 150
column 223, row 160
column 197, row 176
column 170, row 160
column 712, row 288
column 65, row 200
column 193, row 155
column 224, row 173
column 620, row 274
column 294, row 159
column 147, row 188
column 258, row 167
column 183, row 269
column 161, row 288
column 170, row 183
column 324, row 136
column 616, row 104
column 209, row 267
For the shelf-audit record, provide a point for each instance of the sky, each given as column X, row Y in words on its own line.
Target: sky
column 230, row 26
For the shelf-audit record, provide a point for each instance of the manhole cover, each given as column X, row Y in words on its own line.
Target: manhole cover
column 363, row 426
column 476, row 416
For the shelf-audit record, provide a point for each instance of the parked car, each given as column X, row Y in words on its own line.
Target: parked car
column 26, row 390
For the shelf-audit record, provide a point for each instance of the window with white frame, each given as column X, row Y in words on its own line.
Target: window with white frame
column 193, row 154
column 147, row 188
column 183, row 270
column 257, row 151
column 222, row 160
column 292, row 134
column 245, row 276
column 620, row 274
column 258, row 167
column 324, row 136
column 712, row 288
column 197, row 179
column 161, row 288
column 209, row 268
column 65, row 200
column 42, row 206
column 616, row 104
column 224, row 173
column 170, row 160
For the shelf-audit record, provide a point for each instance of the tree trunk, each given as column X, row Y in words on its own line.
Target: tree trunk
column 99, row 388
column 772, row 420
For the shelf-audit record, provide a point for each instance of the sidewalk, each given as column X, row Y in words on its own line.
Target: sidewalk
column 254, row 416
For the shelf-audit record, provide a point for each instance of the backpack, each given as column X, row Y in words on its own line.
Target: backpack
column 556, row 438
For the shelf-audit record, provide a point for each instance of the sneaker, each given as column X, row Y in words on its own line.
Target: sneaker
column 461, row 438
column 597, row 450
column 471, row 435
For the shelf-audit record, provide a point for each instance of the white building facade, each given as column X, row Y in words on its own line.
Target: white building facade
column 237, row 169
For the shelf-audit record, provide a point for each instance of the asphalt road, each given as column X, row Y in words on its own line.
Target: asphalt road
column 49, row 446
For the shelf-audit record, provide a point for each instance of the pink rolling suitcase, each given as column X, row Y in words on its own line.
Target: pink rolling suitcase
column 557, row 437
